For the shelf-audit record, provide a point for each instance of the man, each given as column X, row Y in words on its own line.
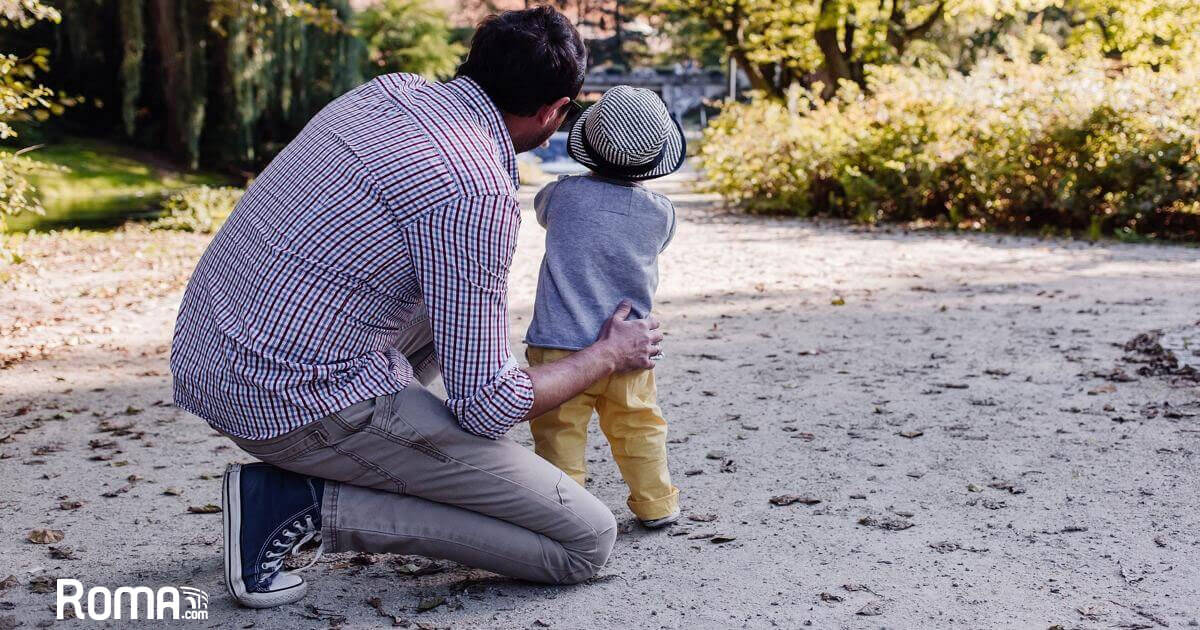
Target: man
column 304, row 335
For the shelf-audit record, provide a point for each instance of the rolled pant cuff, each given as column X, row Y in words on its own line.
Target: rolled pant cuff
column 651, row 509
column 329, row 517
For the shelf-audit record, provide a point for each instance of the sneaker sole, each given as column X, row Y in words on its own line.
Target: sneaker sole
column 661, row 522
column 231, row 495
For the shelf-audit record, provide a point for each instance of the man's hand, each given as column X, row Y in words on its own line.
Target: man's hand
column 630, row 343
column 623, row 345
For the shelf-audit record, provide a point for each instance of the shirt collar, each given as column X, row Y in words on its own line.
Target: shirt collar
column 478, row 101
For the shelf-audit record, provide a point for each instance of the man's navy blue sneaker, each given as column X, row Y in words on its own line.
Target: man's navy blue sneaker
column 269, row 513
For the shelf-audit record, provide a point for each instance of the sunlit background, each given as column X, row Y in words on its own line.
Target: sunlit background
column 1078, row 116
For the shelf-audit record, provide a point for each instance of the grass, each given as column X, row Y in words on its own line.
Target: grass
column 104, row 185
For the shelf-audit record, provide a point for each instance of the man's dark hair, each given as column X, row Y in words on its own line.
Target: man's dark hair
column 526, row 59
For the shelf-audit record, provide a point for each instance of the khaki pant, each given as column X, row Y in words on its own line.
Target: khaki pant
column 403, row 477
column 632, row 422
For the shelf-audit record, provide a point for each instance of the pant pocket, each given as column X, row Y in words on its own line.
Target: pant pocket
column 286, row 448
column 412, row 418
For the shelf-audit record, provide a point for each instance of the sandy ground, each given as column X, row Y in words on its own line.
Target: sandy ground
column 983, row 451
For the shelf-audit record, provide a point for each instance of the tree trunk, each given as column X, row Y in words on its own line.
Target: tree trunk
column 836, row 64
column 133, row 43
column 899, row 33
column 731, row 32
column 167, row 36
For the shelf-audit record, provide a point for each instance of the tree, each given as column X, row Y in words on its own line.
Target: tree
column 408, row 36
column 1136, row 32
column 21, row 98
column 780, row 43
column 219, row 83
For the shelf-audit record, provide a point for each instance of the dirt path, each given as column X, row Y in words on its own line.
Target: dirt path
column 965, row 392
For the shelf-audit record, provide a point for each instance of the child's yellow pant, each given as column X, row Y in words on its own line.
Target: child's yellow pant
column 630, row 418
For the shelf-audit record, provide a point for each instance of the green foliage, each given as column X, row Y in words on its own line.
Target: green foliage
column 1138, row 32
column 98, row 184
column 201, row 209
column 17, row 193
column 408, row 36
column 25, row 13
column 213, row 83
column 1061, row 145
column 21, row 99
column 779, row 42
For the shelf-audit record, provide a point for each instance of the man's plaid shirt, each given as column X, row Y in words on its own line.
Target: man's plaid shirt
column 397, row 197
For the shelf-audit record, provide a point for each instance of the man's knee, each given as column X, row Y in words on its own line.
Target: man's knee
column 590, row 555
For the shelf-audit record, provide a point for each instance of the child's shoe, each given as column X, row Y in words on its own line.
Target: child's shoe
column 659, row 523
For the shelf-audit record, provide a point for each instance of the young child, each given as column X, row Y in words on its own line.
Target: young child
column 604, row 232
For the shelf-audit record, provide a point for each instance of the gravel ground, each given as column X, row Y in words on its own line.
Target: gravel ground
column 968, row 441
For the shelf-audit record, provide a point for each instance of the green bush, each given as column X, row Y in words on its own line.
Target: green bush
column 199, row 209
column 1055, row 146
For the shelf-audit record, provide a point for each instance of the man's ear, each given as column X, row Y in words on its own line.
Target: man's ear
column 547, row 112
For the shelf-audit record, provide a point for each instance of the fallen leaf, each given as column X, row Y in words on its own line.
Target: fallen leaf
column 872, row 609
column 45, row 536
column 945, row 546
column 8, row 582
column 377, row 604
column 362, row 559
column 1007, row 485
column 42, row 584
column 62, row 552
column 702, row 518
column 429, row 603
column 722, row 538
column 419, row 566
column 830, row 597
column 70, row 505
column 172, row 492
column 912, row 434
column 788, row 499
column 122, row 490
column 838, row 301
column 890, row 523
column 207, row 508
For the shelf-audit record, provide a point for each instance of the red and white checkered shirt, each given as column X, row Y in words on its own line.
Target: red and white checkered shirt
column 399, row 194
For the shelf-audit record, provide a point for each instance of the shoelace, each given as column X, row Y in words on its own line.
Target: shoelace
column 290, row 545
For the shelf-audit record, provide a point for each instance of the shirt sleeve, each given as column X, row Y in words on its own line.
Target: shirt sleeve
column 671, row 231
column 541, row 202
column 461, row 253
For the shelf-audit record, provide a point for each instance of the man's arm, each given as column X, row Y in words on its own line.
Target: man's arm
column 623, row 345
column 461, row 254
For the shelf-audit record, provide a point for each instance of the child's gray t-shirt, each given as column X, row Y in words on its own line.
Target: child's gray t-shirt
column 603, row 237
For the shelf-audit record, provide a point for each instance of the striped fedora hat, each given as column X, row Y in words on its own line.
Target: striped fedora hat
column 628, row 134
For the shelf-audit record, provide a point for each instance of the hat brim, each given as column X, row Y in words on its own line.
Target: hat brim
column 674, row 151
